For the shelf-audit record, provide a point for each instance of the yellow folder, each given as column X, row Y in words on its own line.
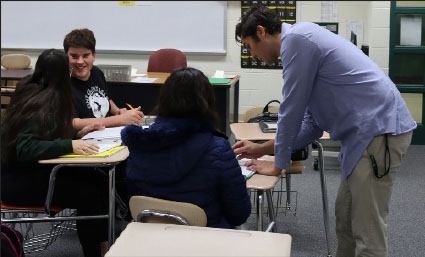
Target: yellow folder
column 106, row 153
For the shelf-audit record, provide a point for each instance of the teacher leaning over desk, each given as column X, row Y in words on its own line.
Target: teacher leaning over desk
column 330, row 85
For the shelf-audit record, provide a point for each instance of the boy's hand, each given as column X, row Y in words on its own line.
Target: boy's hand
column 89, row 128
column 134, row 117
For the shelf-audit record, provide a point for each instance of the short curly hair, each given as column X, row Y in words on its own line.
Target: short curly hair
column 257, row 15
column 80, row 38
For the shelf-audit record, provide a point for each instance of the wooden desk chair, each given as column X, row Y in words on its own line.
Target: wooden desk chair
column 166, row 60
column 297, row 169
column 154, row 210
column 15, row 61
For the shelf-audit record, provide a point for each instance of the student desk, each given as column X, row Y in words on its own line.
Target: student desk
column 146, row 95
column 110, row 162
column 6, row 75
column 14, row 74
column 150, row 239
column 263, row 183
column 252, row 132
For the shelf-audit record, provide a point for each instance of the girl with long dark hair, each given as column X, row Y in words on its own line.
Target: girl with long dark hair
column 37, row 126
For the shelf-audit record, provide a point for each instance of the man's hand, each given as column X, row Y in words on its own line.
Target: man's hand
column 84, row 147
column 263, row 167
column 247, row 149
column 134, row 117
column 89, row 128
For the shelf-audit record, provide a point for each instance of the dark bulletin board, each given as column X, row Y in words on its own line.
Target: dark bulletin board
column 286, row 10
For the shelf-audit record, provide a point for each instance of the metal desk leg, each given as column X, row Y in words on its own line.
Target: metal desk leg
column 260, row 206
column 273, row 224
column 288, row 191
column 324, row 194
column 111, row 222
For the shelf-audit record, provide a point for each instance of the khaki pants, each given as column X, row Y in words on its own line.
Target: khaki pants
column 362, row 204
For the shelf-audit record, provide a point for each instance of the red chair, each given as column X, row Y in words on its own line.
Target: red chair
column 166, row 60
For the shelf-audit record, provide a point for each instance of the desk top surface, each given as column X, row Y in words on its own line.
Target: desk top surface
column 15, row 74
column 147, row 239
column 116, row 157
column 161, row 77
column 252, row 131
column 19, row 74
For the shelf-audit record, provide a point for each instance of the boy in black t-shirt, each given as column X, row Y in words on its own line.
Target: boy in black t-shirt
column 90, row 97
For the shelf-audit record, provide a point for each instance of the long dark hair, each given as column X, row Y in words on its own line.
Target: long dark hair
column 43, row 98
column 187, row 93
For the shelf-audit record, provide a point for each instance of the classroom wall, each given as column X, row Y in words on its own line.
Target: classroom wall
column 258, row 86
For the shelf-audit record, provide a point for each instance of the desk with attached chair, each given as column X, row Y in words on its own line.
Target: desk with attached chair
column 48, row 215
column 146, row 239
column 252, row 132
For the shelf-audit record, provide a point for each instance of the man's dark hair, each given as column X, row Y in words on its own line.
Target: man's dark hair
column 80, row 38
column 257, row 15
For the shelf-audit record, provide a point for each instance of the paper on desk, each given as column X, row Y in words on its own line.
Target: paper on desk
column 247, row 173
column 271, row 125
column 144, row 80
column 229, row 75
column 219, row 74
column 104, row 134
column 106, row 147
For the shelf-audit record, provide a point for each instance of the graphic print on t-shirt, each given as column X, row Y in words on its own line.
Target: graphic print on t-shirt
column 97, row 101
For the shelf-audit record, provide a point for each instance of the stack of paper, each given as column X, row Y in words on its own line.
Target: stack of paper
column 106, row 146
column 106, row 139
column 107, row 133
column 219, row 74
column 144, row 80
column 245, row 172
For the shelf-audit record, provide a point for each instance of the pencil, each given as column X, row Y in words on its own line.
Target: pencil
column 131, row 107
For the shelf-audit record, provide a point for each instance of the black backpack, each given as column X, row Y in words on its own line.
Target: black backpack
column 11, row 242
column 266, row 116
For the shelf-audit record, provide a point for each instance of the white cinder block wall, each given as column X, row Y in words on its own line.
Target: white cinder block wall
column 258, row 86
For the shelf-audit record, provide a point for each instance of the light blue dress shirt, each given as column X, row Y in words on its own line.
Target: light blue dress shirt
column 330, row 85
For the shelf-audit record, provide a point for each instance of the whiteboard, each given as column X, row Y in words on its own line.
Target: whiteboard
column 190, row 26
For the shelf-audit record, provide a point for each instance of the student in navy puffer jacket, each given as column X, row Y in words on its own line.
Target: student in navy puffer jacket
column 181, row 156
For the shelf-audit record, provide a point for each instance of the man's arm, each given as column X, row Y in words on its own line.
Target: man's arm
column 299, row 56
column 248, row 149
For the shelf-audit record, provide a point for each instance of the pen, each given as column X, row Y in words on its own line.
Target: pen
column 131, row 107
